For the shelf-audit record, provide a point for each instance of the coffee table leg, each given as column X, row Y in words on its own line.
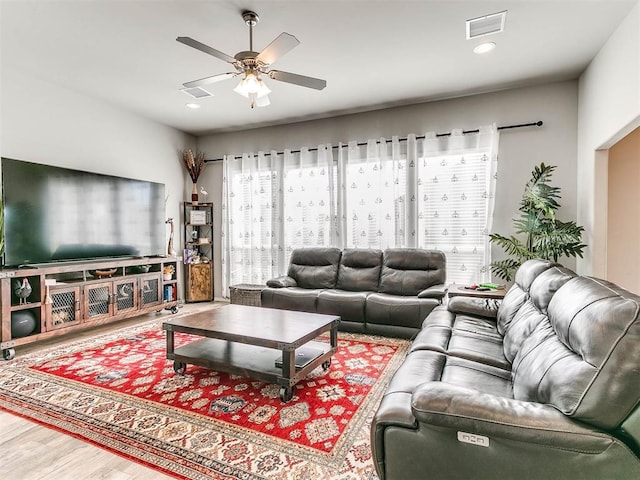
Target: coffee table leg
column 170, row 344
column 334, row 336
column 288, row 372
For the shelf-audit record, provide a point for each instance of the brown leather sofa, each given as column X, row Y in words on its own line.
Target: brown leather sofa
column 547, row 386
column 378, row 292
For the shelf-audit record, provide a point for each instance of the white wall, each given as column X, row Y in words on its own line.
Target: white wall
column 520, row 149
column 608, row 109
column 44, row 123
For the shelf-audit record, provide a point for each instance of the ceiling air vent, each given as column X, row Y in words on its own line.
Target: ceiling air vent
column 487, row 25
column 197, row 92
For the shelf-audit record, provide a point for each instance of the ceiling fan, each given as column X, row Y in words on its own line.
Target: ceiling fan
column 251, row 65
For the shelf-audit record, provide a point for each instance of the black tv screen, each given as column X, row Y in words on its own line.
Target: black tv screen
column 57, row 214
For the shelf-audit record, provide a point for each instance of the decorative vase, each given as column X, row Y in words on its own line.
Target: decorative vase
column 23, row 323
column 166, row 276
column 194, row 195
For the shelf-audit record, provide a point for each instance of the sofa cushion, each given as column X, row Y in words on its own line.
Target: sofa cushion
column 519, row 292
column 359, row 270
column 292, row 298
column 408, row 271
column 463, row 336
column 385, row 309
column 584, row 357
column 314, row 267
column 534, row 309
column 348, row 305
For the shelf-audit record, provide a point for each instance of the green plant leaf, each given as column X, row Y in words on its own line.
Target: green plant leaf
column 545, row 236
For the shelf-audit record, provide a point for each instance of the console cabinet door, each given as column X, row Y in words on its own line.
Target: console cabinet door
column 150, row 290
column 125, row 292
column 98, row 300
column 199, row 286
column 63, row 307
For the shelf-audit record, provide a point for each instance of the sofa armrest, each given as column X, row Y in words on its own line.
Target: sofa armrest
column 282, row 282
column 435, row 291
column 470, row 411
column 483, row 307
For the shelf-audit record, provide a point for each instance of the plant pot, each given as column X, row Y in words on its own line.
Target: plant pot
column 166, row 277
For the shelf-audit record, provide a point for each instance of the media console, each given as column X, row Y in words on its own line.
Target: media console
column 48, row 300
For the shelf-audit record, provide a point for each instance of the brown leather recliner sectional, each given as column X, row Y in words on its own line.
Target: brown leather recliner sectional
column 378, row 292
column 547, row 386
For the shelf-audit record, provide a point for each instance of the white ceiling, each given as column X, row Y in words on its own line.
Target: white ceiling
column 373, row 54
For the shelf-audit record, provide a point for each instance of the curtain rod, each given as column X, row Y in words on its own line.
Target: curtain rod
column 404, row 139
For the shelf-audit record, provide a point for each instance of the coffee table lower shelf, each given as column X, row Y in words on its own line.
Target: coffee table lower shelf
column 250, row 360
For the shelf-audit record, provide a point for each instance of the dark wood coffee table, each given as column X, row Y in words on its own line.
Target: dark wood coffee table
column 264, row 343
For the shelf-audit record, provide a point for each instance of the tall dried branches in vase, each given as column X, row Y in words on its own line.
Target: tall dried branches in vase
column 195, row 165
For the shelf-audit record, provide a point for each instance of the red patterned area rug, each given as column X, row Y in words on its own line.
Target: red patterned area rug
column 118, row 391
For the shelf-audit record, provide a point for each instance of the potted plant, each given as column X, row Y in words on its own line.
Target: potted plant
column 167, row 272
column 544, row 235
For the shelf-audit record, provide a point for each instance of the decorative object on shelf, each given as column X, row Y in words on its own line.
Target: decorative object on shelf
column 204, row 194
column 195, row 165
column 104, row 273
column 23, row 323
column 191, row 256
column 60, row 317
column 198, row 217
column 141, row 268
column 167, row 272
column 546, row 236
column 22, row 289
column 171, row 251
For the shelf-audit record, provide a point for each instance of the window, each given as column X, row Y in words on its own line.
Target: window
column 434, row 192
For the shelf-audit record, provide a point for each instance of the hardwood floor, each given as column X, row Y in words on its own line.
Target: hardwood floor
column 29, row 451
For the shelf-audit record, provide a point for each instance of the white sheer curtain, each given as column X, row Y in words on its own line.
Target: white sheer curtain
column 456, row 182
column 372, row 196
column 435, row 192
column 273, row 203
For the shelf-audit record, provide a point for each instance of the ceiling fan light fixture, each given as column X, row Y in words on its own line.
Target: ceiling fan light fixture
column 251, row 65
column 263, row 91
column 251, row 83
column 253, row 88
column 263, row 101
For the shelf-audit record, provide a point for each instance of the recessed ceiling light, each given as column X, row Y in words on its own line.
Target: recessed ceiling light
column 484, row 47
column 194, row 106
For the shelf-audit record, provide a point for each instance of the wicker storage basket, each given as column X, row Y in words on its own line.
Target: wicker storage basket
column 246, row 294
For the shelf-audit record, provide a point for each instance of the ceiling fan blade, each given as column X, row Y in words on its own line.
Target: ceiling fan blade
column 208, row 80
column 296, row 79
column 206, row 49
column 278, row 47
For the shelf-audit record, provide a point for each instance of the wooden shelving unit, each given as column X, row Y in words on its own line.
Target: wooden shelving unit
column 72, row 296
column 198, row 235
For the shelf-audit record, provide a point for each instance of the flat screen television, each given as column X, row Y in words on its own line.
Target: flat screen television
column 54, row 214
